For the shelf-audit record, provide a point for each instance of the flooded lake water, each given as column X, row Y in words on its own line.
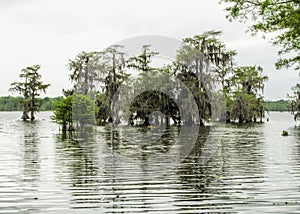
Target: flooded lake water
column 254, row 169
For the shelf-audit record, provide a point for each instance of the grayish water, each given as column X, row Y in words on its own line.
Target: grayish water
column 254, row 169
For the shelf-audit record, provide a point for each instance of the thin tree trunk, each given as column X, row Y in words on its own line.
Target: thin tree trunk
column 147, row 121
column 32, row 108
column 167, row 121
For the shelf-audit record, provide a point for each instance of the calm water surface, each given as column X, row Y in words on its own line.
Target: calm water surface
column 254, row 169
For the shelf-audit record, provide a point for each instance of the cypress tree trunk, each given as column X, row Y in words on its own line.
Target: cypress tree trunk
column 147, row 121
column 32, row 107
column 201, row 122
column 240, row 118
column 167, row 121
column 25, row 114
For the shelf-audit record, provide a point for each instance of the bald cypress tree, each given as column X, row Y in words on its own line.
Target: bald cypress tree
column 30, row 88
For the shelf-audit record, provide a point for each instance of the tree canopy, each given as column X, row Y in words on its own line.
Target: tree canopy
column 281, row 17
column 202, row 61
column 30, row 88
column 9, row 103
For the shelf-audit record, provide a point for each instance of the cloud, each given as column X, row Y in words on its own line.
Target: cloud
column 5, row 4
column 50, row 32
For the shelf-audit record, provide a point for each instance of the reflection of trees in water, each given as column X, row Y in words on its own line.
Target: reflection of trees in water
column 244, row 149
column 111, row 181
column 78, row 157
column 31, row 156
column 117, row 140
column 106, row 179
column 238, row 159
column 94, row 181
column 111, row 137
column 191, row 173
column 129, row 168
column 296, row 130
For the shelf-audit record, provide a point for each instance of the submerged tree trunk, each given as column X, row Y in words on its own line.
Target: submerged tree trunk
column 227, row 117
column 147, row 121
column 25, row 114
column 32, row 108
column 241, row 119
column 117, row 121
column 32, row 115
column 167, row 121
column 201, row 122
column 64, row 128
column 25, row 108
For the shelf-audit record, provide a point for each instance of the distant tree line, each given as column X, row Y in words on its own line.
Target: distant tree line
column 278, row 105
column 9, row 103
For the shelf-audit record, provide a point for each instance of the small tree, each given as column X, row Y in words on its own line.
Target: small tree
column 74, row 109
column 63, row 113
column 30, row 88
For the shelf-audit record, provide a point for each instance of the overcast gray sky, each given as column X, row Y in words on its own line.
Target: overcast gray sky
column 49, row 32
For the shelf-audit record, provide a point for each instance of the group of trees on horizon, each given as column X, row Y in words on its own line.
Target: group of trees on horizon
column 96, row 76
column 10, row 103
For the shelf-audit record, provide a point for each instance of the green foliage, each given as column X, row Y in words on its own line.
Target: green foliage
column 245, row 107
column 9, row 103
column 83, row 71
column 63, row 112
column 242, row 86
column 295, row 102
column 74, row 109
column 30, row 88
column 102, row 108
column 83, row 110
column 112, row 70
column 280, row 17
column 191, row 66
column 245, row 102
column 143, row 61
column 240, row 106
column 279, row 105
column 146, row 102
column 47, row 103
column 90, row 69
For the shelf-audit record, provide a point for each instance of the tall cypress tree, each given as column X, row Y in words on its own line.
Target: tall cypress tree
column 30, row 88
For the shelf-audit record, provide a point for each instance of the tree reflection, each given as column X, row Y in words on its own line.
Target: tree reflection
column 31, row 155
column 238, row 162
column 77, row 155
